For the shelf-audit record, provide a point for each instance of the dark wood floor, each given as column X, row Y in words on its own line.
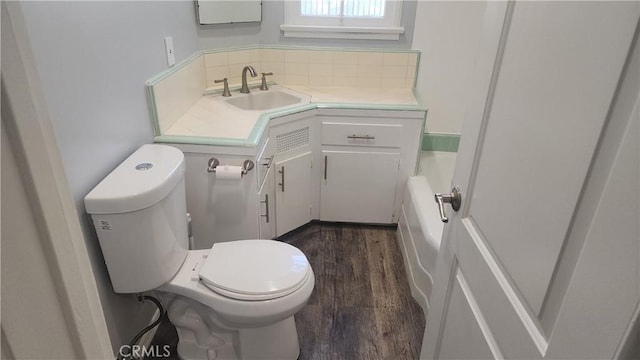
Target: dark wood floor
column 361, row 307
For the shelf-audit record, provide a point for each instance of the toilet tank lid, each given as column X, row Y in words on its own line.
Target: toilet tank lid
column 141, row 180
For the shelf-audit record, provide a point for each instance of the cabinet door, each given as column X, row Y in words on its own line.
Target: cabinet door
column 293, row 192
column 358, row 186
column 267, row 207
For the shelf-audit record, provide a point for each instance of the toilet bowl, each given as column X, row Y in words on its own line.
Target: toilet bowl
column 203, row 315
column 236, row 300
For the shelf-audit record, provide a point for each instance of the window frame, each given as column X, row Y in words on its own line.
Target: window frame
column 388, row 27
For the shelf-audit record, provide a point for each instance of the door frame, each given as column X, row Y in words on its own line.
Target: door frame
column 31, row 137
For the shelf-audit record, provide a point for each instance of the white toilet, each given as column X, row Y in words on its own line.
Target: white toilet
column 233, row 301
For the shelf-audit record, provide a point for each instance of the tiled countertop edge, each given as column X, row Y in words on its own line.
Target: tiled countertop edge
column 263, row 121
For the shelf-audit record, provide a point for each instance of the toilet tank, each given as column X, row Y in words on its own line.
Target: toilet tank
column 139, row 213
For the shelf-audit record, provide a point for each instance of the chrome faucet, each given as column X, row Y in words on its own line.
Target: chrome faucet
column 245, row 89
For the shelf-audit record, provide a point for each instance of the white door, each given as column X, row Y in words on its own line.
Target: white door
column 293, row 192
column 358, row 186
column 543, row 258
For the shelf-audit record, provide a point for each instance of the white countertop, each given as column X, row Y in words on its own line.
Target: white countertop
column 210, row 117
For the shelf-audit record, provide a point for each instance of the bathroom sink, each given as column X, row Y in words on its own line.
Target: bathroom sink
column 264, row 100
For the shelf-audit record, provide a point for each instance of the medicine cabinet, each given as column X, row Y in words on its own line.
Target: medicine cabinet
column 228, row 11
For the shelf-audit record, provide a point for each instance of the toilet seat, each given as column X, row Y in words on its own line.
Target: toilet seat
column 254, row 269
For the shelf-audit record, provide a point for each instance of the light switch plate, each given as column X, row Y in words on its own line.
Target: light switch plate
column 168, row 45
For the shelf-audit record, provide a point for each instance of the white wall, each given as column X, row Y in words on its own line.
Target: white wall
column 447, row 32
column 268, row 31
column 93, row 59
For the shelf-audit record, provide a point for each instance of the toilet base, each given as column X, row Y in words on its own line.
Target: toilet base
column 277, row 341
column 203, row 336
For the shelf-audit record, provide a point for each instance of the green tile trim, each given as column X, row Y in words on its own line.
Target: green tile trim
column 440, row 142
column 173, row 69
column 263, row 121
column 230, row 49
column 367, row 106
column 415, row 74
column 310, row 48
column 151, row 103
column 202, row 140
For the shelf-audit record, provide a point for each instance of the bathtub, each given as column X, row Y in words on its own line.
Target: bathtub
column 419, row 228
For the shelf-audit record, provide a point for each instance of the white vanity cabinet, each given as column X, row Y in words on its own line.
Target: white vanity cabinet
column 225, row 210
column 346, row 165
column 293, row 192
column 366, row 156
column 358, row 186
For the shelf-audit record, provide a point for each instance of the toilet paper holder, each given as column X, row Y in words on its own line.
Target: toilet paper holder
column 247, row 165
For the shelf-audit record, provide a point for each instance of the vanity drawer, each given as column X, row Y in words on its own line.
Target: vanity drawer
column 359, row 134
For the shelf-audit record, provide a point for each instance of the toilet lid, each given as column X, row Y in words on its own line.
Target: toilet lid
column 254, row 269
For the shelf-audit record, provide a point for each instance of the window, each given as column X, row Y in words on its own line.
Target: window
column 348, row 19
column 349, row 8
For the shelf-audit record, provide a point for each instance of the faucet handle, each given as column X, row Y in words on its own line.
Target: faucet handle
column 225, row 90
column 264, row 86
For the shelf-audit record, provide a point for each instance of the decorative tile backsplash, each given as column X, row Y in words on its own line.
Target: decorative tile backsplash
column 172, row 95
column 440, row 142
column 174, row 91
column 315, row 67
